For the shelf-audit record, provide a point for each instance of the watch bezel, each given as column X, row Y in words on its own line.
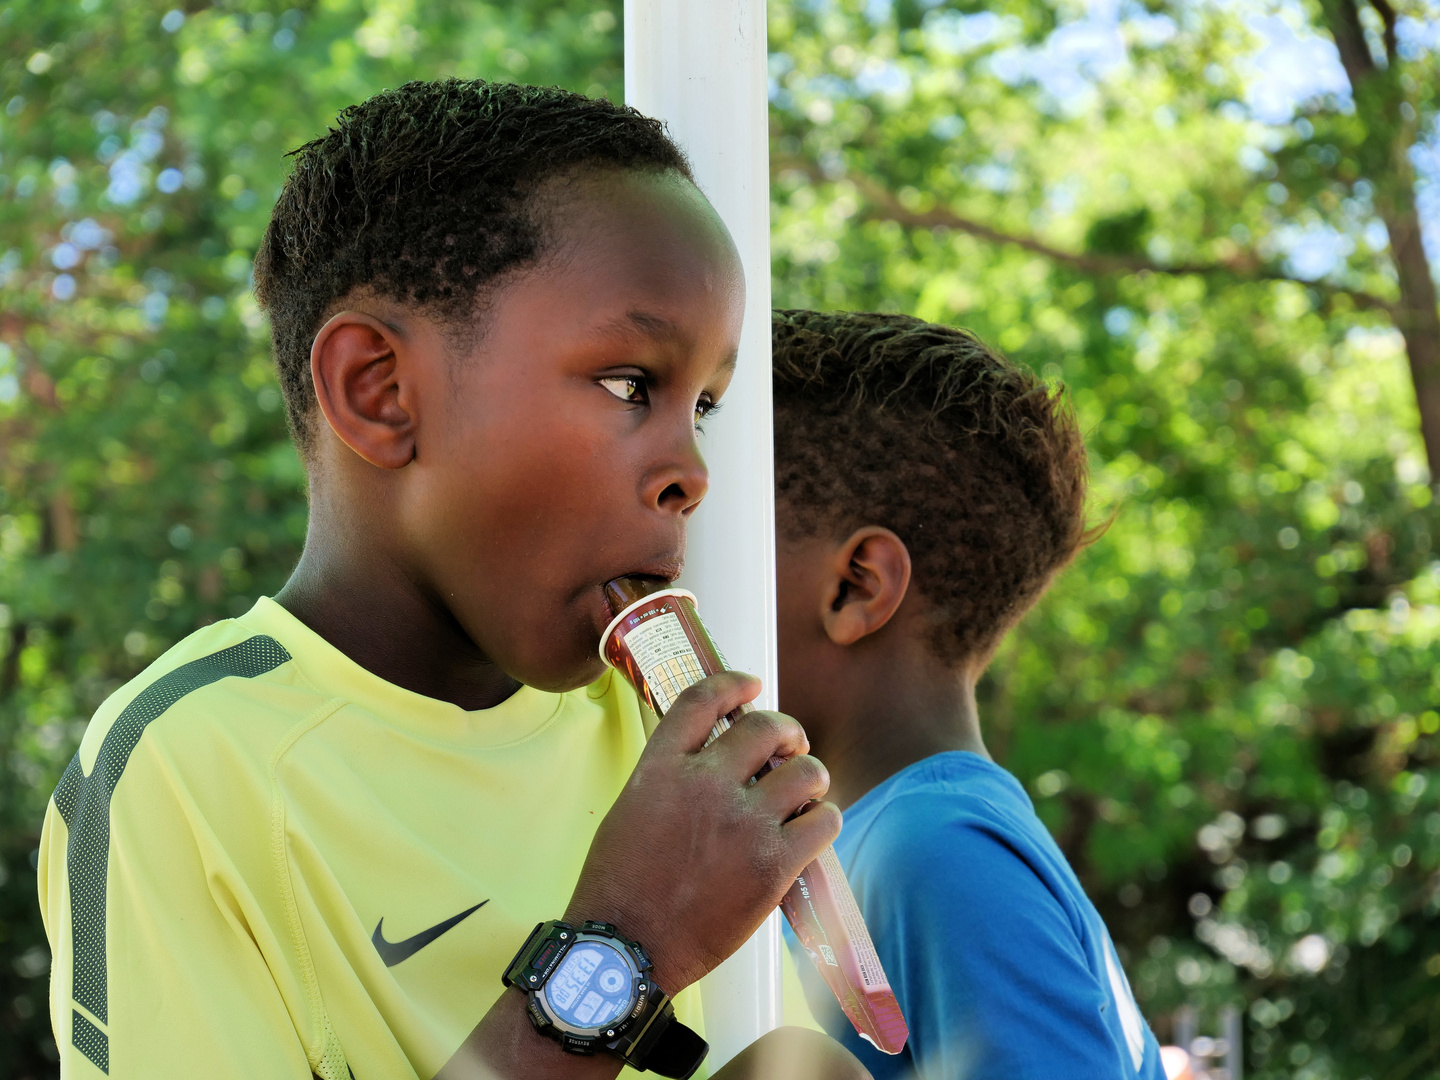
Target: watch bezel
column 640, row 987
column 541, row 956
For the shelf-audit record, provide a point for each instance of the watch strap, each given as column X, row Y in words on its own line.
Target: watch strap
column 668, row 1048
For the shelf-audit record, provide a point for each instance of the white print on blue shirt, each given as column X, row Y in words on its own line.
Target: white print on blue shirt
column 1125, row 1007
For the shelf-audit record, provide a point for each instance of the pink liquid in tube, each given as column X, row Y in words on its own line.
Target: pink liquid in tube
column 659, row 644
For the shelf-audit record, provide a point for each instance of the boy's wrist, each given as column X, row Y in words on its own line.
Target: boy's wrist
column 637, row 922
column 506, row 1046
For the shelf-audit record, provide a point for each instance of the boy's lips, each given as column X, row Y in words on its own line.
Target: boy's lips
column 662, row 570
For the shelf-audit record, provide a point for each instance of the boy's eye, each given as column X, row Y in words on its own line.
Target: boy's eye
column 626, row 387
column 705, row 407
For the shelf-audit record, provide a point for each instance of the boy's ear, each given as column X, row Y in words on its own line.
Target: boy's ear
column 871, row 573
column 354, row 366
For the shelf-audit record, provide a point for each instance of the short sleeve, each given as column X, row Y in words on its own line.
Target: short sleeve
column 158, row 970
column 985, row 959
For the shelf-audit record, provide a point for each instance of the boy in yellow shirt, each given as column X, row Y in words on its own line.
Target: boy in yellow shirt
column 313, row 838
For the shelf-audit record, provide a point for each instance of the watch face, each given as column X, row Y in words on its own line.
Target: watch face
column 592, row 987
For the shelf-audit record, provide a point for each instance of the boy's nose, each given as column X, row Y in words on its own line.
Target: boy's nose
column 678, row 485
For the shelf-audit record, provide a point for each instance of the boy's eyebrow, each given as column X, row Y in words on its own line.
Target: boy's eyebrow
column 656, row 327
column 648, row 323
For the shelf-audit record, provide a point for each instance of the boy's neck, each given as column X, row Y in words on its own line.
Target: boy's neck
column 892, row 719
column 366, row 606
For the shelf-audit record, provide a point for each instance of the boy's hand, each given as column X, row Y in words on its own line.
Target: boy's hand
column 692, row 857
column 689, row 861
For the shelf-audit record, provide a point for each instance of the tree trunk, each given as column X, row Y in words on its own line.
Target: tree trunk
column 1380, row 102
column 1418, row 321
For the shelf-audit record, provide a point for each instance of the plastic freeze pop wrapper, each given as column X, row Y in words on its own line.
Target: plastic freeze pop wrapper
column 659, row 644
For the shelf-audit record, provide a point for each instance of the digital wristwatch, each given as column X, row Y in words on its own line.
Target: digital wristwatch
column 589, row 989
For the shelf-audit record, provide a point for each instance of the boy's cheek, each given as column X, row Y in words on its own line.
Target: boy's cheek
column 547, row 483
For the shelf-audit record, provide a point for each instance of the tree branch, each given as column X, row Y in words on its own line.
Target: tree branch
column 1343, row 19
column 1243, row 268
column 1377, row 101
column 1387, row 16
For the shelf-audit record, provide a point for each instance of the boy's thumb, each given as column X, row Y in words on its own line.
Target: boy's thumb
column 688, row 725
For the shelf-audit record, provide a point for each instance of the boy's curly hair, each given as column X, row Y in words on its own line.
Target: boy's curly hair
column 425, row 195
column 971, row 460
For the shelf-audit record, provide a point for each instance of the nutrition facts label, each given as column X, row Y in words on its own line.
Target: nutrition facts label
column 665, row 657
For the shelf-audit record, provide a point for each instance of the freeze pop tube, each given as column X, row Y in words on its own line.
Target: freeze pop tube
column 659, row 644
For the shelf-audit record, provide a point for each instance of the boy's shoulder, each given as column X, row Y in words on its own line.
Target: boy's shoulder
column 210, row 709
column 229, row 675
column 959, row 826
column 942, row 794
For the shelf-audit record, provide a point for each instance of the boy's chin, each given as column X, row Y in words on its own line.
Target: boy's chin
column 553, row 681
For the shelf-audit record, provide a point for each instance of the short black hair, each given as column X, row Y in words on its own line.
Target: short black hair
column 973, row 461
column 425, row 194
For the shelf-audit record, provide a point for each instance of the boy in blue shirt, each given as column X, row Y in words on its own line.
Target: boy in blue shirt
column 927, row 493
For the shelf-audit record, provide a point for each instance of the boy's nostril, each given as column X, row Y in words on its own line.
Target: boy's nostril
column 672, row 493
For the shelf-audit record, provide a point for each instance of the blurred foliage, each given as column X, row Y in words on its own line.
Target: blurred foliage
column 1227, row 710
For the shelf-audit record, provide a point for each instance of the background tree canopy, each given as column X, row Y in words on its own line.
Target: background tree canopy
column 1205, row 218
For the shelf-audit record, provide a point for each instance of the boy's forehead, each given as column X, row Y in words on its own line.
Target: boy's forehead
column 639, row 217
column 632, row 256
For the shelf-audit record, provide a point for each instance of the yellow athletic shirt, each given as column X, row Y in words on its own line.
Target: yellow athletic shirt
column 266, row 861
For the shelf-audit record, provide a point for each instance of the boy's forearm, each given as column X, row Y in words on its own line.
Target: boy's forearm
column 504, row 1046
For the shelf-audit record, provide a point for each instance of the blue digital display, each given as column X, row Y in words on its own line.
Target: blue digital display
column 592, row 986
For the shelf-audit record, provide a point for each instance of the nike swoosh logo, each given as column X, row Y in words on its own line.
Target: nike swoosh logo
column 393, row 952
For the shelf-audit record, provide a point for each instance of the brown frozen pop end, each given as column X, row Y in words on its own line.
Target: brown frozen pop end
column 624, row 591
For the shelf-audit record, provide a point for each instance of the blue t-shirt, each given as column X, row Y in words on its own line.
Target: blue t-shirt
column 1001, row 964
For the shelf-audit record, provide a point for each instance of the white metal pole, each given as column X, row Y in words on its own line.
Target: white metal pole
column 700, row 65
